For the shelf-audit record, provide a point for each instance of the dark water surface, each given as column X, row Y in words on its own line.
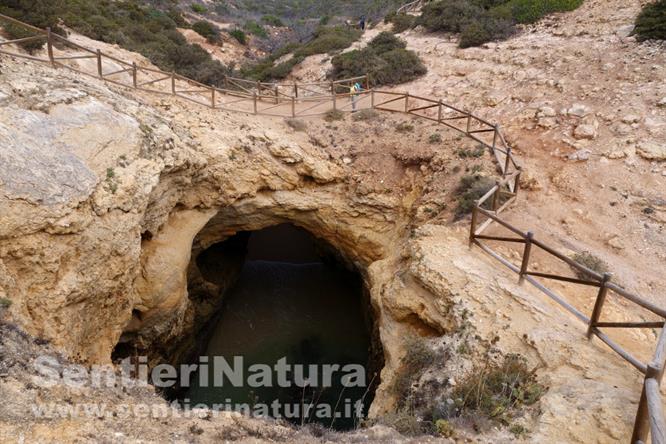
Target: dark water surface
column 310, row 313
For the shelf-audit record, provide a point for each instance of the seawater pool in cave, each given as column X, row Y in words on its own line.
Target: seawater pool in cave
column 296, row 302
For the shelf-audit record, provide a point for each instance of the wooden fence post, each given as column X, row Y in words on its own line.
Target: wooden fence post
column 439, row 111
column 506, row 162
column 293, row 107
column 516, row 184
column 226, row 82
column 495, row 137
column 469, row 122
column 526, row 256
column 134, row 81
column 254, row 100
column 295, row 89
column 173, row 83
column 407, row 102
column 472, row 228
column 99, row 64
column 598, row 305
column 49, row 46
column 333, row 92
column 212, row 97
column 372, row 98
column 642, row 422
column 496, row 196
column 277, row 94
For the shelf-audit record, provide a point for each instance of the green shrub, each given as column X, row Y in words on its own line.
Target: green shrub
column 470, row 189
column 481, row 21
column 385, row 59
column 5, row 303
column 272, row 20
column 199, row 9
column 435, row 138
column 239, row 35
column 418, row 357
column 651, row 22
column 328, row 39
column 401, row 22
column 207, row 30
column 494, row 390
column 255, row 29
column 333, row 114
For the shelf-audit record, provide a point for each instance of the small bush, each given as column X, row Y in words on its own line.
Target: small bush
column 465, row 153
column 364, row 115
column 404, row 127
column 651, row 22
column 272, row 20
column 401, row 22
column 239, row 35
column 199, row 9
column 471, row 189
column 417, row 359
column 406, row 423
column 255, row 29
column 5, row 303
column 297, row 124
column 385, row 59
column 207, row 30
column 444, row 428
column 333, row 114
column 435, row 138
column 494, row 390
column 590, row 261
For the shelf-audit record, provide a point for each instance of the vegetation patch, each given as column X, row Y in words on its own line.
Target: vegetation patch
column 471, row 188
column 239, row 35
column 590, row 261
column 401, row 22
column 297, row 124
column 466, row 153
column 254, row 28
column 435, row 138
column 207, row 30
column 5, row 303
column 333, row 115
column 327, row 39
column 481, row 21
column 364, row 115
column 651, row 22
column 385, row 59
column 131, row 24
column 496, row 390
column 199, row 9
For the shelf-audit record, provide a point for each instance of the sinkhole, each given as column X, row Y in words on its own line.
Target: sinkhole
column 295, row 316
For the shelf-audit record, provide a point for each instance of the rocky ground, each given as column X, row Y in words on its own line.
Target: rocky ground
column 103, row 190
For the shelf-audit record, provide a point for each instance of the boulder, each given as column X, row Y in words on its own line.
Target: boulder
column 651, row 151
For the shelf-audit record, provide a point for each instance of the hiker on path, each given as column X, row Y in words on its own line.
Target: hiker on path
column 354, row 91
column 361, row 24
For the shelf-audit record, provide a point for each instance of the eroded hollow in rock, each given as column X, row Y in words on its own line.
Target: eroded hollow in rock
column 288, row 301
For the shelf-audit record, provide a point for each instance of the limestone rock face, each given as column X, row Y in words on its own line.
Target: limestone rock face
column 104, row 198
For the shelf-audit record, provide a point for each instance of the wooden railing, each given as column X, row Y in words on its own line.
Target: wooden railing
column 650, row 417
column 308, row 99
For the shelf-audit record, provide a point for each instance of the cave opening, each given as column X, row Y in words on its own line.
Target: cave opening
column 295, row 316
